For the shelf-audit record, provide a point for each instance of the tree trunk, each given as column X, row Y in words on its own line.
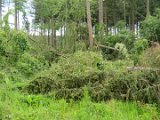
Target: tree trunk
column 132, row 21
column 49, row 22
column 105, row 17
column 16, row 15
column 100, row 11
column 89, row 23
column 18, row 19
column 53, row 34
column 0, row 9
column 124, row 10
column 147, row 8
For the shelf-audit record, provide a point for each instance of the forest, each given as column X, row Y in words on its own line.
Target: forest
column 79, row 59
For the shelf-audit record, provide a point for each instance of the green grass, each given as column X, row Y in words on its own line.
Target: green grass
column 16, row 106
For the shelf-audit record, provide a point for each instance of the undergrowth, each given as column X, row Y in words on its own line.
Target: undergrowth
column 17, row 106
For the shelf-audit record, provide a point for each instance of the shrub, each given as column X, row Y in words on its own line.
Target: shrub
column 151, row 58
column 139, row 83
column 150, row 29
column 124, row 37
column 140, row 45
column 122, row 51
column 29, row 65
column 68, row 77
column 12, row 45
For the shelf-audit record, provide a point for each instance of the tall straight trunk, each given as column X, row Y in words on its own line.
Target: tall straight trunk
column 48, row 36
column 89, row 23
column 49, row 22
column 132, row 21
column 124, row 11
column 100, row 11
column 16, row 15
column 0, row 9
column 18, row 20
column 147, row 8
column 53, row 34
column 105, row 17
column 129, row 22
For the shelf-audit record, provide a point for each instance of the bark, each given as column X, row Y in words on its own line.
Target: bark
column 16, row 15
column 48, row 36
column 0, row 9
column 124, row 10
column 147, row 8
column 53, row 34
column 105, row 18
column 100, row 11
column 133, row 21
column 89, row 23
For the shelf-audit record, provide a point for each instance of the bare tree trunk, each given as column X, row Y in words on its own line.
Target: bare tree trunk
column 16, row 15
column 133, row 21
column 0, row 9
column 147, row 8
column 105, row 17
column 53, row 34
column 101, row 11
column 18, row 21
column 124, row 10
column 89, row 23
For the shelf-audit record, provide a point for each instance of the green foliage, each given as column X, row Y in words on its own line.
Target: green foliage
column 29, row 65
column 126, row 37
column 140, row 45
column 122, row 51
column 16, row 106
column 120, row 25
column 150, row 28
column 12, row 45
column 2, row 77
column 70, row 75
column 151, row 58
column 138, row 83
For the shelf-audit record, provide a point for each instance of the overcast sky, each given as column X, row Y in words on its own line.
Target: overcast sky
column 11, row 17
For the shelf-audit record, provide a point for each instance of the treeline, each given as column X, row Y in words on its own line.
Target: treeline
column 69, row 18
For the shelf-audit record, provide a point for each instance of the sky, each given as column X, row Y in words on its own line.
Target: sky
column 29, row 9
column 10, row 7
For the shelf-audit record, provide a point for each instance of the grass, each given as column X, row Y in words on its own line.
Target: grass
column 17, row 106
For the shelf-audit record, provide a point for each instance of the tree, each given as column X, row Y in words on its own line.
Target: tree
column 148, row 8
column 89, row 23
column 101, row 11
column 16, row 14
column 18, row 7
column 0, row 9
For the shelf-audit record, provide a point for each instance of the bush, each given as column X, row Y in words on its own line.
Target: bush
column 104, row 80
column 124, row 37
column 135, row 85
column 139, row 83
column 140, row 45
column 122, row 51
column 12, row 45
column 151, row 58
column 68, row 77
column 29, row 65
column 150, row 29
